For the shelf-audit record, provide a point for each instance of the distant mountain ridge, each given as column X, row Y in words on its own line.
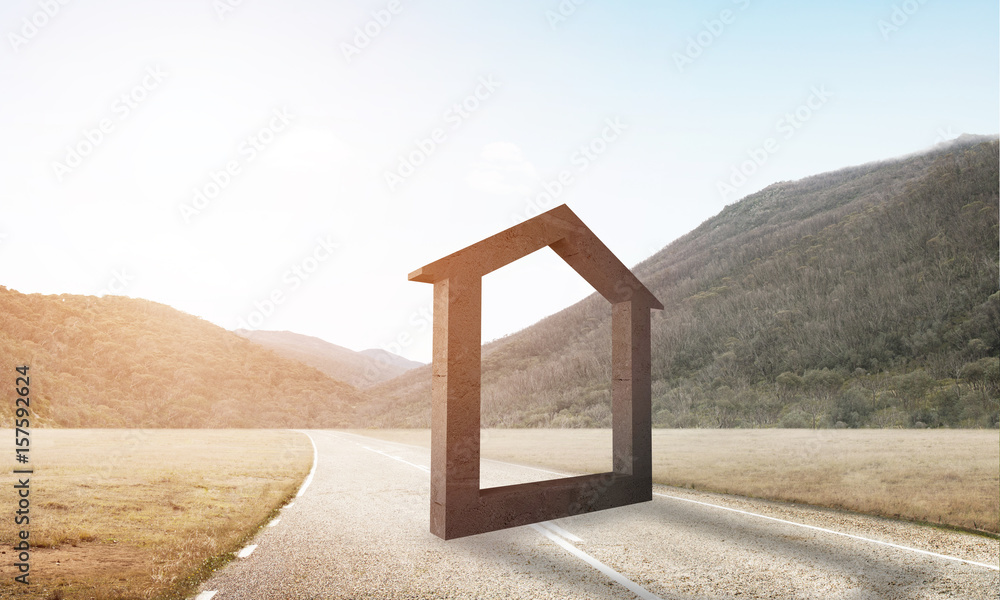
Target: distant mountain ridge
column 390, row 358
column 360, row 369
column 123, row 362
column 865, row 297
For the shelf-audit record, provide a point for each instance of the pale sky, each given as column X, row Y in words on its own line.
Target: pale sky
column 216, row 155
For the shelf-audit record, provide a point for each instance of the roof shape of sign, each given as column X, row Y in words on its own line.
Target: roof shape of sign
column 567, row 235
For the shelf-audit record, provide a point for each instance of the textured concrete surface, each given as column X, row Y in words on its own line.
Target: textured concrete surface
column 458, row 506
column 360, row 531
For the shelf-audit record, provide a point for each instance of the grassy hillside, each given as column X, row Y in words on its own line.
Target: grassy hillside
column 120, row 362
column 360, row 369
column 865, row 297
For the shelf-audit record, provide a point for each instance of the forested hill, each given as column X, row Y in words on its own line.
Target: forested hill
column 121, row 362
column 865, row 297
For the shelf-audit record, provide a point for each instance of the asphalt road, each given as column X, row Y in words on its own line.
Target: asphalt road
column 359, row 529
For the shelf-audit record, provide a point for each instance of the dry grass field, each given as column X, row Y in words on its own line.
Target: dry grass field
column 942, row 476
column 144, row 513
column 148, row 513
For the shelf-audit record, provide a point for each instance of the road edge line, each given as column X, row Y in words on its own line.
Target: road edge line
column 824, row 530
column 615, row 576
column 312, row 471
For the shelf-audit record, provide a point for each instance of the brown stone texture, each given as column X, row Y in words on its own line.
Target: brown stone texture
column 458, row 507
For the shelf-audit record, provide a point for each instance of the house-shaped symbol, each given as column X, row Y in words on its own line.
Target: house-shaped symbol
column 458, row 506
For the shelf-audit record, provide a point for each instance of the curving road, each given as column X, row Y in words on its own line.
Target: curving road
column 359, row 529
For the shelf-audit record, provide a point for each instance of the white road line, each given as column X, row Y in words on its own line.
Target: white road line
column 245, row 552
column 848, row 535
column 290, row 504
column 527, row 467
column 340, row 435
column 856, row 537
column 560, row 531
column 553, row 533
column 831, row 531
column 603, row 568
column 312, row 471
column 387, row 455
column 425, row 449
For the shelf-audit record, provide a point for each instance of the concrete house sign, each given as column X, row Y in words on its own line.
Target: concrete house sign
column 458, row 506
